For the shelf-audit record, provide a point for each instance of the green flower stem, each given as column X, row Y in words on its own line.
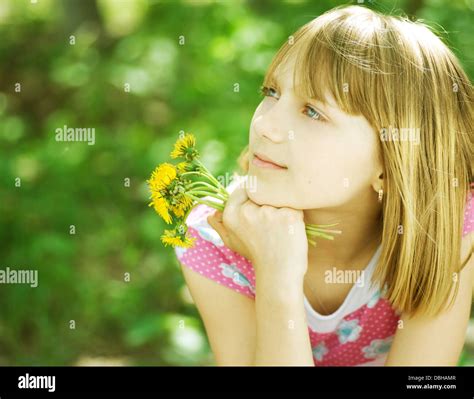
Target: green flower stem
column 211, row 178
column 202, row 183
column 219, row 186
column 204, row 193
column 193, row 173
column 328, row 231
column 212, row 204
column 322, row 225
column 201, row 165
column 321, row 230
column 322, row 235
column 186, row 214
column 198, row 193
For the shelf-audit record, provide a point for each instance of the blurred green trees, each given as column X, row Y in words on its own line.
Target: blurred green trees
column 138, row 72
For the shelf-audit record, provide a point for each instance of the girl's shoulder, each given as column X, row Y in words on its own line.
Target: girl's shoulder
column 468, row 225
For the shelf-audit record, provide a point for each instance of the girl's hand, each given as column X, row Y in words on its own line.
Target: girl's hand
column 273, row 239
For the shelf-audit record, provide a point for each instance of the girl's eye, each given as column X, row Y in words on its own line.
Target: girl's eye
column 268, row 92
column 313, row 114
column 309, row 111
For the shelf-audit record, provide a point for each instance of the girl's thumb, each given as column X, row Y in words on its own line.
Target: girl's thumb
column 217, row 225
column 214, row 221
column 218, row 215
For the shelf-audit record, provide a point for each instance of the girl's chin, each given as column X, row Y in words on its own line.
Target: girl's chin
column 261, row 198
column 255, row 196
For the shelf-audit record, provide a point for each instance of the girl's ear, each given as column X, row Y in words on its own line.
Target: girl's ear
column 377, row 185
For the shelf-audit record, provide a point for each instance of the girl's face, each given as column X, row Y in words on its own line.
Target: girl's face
column 329, row 158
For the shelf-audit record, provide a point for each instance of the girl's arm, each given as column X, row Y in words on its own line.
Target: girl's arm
column 271, row 330
column 275, row 241
column 437, row 341
column 228, row 317
column 282, row 330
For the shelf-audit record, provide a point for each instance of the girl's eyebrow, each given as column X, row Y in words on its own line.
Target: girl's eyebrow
column 273, row 79
column 328, row 105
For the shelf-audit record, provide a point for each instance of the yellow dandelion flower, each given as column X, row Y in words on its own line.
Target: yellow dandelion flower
column 182, row 167
column 186, row 167
column 185, row 148
column 161, row 207
column 182, row 204
column 176, row 239
column 161, row 179
column 162, row 176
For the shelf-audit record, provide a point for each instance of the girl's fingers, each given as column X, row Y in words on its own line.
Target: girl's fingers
column 217, row 215
column 218, row 226
column 237, row 198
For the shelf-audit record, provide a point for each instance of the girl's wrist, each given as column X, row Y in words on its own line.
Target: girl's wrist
column 284, row 286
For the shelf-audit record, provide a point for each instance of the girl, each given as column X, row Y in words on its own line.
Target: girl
column 367, row 122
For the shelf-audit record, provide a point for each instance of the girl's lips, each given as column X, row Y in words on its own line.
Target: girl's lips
column 265, row 164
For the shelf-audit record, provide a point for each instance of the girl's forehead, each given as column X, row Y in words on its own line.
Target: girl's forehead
column 288, row 78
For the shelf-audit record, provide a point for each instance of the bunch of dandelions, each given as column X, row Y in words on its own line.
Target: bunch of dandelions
column 176, row 189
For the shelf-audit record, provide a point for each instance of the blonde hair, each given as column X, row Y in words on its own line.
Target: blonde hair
column 399, row 74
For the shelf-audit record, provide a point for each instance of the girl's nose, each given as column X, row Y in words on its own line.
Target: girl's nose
column 268, row 128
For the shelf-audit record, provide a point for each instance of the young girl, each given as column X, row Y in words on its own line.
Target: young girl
column 367, row 122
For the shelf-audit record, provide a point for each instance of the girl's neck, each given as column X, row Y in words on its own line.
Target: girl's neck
column 361, row 234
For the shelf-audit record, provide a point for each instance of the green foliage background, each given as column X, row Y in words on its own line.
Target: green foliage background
column 173, row 87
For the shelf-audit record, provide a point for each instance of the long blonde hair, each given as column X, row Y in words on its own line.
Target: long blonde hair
column 399, row 75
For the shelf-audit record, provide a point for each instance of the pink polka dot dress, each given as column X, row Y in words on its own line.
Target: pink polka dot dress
column 359, row 333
